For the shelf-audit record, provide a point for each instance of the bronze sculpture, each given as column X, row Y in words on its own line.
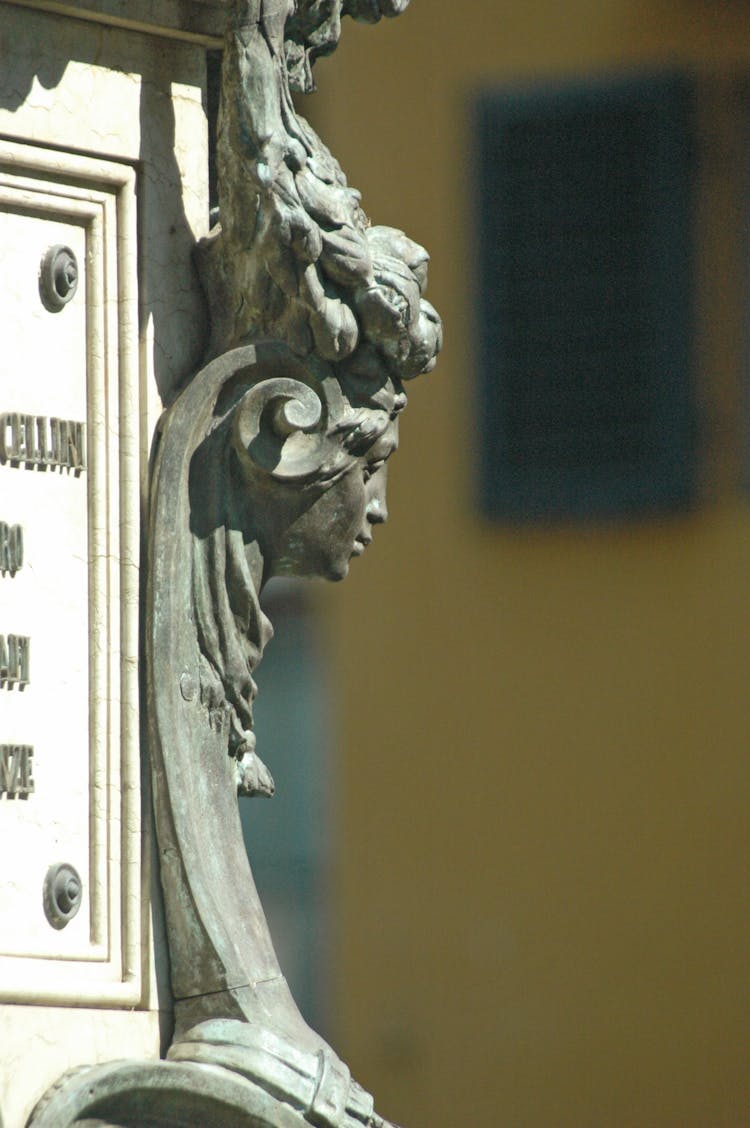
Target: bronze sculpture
column 271, row 461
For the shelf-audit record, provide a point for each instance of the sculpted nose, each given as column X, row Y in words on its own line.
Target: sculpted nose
column 377, row 511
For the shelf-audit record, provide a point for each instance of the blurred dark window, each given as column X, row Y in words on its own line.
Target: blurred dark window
column 584, row 296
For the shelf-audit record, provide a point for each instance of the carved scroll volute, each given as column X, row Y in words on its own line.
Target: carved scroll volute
column 232, row 1005
column 280, row 428
column 218, row 934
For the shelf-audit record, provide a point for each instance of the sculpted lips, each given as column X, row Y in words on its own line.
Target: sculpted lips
column 360, row 544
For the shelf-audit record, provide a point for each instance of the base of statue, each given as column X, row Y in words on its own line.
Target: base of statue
column 188, row 1094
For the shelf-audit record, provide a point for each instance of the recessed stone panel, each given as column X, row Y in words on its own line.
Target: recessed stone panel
column 68, row 581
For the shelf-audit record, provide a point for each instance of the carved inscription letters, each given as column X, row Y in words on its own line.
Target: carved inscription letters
column 41, row 442
column 14, row 660
column 11, row 548
column 16, row 770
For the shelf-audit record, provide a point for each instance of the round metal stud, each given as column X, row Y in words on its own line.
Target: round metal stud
column 58, row 277
column 63, row 893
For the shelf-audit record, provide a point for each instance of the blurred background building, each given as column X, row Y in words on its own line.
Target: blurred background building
column 536, row 747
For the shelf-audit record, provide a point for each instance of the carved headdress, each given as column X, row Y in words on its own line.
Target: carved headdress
column 295, row 258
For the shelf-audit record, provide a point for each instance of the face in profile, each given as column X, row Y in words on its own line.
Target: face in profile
column 339, row 522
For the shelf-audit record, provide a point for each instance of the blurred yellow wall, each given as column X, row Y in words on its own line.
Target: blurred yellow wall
column 543, row 911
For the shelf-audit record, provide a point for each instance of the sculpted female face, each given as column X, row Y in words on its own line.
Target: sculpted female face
column 339, row 521
column 312, row 451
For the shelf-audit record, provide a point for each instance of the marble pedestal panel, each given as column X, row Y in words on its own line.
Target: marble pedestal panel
column 69, row 757
column 102, row 153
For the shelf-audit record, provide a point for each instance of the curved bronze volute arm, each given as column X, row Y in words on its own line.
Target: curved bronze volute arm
column 263, row 466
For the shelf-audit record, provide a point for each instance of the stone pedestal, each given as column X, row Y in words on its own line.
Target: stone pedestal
column 103, row 171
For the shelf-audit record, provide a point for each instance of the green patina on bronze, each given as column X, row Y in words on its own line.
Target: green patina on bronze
column 271, row 461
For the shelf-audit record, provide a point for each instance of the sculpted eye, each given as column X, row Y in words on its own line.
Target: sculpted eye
column 359, row 440
column 372, row 468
